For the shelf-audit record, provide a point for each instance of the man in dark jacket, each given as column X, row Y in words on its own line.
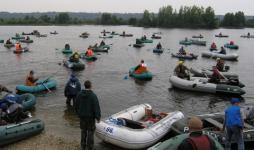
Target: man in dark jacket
column 72, row 89
column 88, row 110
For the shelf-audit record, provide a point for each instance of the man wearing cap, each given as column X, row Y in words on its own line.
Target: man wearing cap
column 197, row 140
column 234, row 124
column 181, row 69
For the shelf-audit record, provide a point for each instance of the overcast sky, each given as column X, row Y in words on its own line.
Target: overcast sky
column 122, row 6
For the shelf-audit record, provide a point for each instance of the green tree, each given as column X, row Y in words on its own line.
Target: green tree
column 146, row 20
column 62, row 18
column 45, row 18
column 105, row 19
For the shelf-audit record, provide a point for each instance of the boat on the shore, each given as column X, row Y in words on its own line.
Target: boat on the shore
column 132, row 130
column 14, row 132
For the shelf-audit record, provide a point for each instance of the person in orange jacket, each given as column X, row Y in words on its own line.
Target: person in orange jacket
column 89, row 52
column 18, row 46
column 141, row 68
column 30, row 79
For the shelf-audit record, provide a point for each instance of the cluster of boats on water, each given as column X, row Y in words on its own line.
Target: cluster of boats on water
column 137, row 127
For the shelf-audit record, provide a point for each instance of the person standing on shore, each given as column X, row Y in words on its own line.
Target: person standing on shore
column 234, row 124
column 88, row 109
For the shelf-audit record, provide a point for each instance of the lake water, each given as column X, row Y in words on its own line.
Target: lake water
column 108, row 73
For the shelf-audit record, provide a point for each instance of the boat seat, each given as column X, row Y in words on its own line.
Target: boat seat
column 133, row 124
column 214, row 122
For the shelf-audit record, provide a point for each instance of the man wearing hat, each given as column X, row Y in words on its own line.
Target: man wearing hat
column 234, row 124
column 197, row 140
column 181, row 70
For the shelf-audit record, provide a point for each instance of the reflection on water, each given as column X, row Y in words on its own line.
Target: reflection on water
column 109, row 73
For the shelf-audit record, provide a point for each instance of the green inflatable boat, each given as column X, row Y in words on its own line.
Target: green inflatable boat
column 227, row 45
column 184, row 42
column 18, row 37
column 1, row 41
column 26, row 41
column 67, row 51
column 15, row 132
column 146, row 40
column 9, row 45
column 103, row 48
column 42, row 85
column 174, row 142
column 88, row 58
column 80, row 65
column 143, row 76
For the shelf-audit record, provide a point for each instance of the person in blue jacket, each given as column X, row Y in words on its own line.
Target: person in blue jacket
column 234, row 124
column 72, row 88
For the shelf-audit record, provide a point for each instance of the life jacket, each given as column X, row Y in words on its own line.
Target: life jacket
column 29, row 81
column 213, row 45
column 18, row 47
column 200, row 142
column 89, row 53
column 141, row 69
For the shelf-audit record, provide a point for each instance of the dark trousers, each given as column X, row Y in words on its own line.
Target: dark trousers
column 69, row 98
column 238, row 136
column 87, row 133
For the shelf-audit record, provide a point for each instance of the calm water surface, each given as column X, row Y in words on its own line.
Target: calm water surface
column 108, row 72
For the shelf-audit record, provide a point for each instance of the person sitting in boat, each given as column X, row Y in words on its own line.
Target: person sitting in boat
column 231, row 42
column 159, row 46
column 27, row 38
column 8, row 41
column 248, row 34
column 30, row 79
column 222, row 50
column 4, row 89
column 141, row 68
column 197, row 140
column 220, row 34
column 17, row 35
column 123, row 33
column 216, row 76
column 89, row 52
column 182, row 71
column 18, row 46
column 182, row 51
column 213, row 46
column 104, row 33
column 186, row 39
column 75, row 57
column 220, row 64
column 67, row 47
column 143, row 37
column 102, row 43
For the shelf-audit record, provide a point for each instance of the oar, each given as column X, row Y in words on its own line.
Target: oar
column 46, row 88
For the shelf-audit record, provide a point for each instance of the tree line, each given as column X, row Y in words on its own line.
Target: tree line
column 167, row 17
